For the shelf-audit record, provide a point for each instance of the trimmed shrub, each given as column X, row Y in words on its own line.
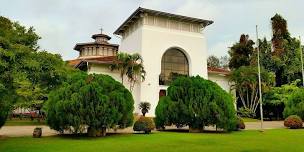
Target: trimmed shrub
column 196, row 102
column 240, row 124
column 92, row 102
column 293, row 122
column 37, row 132
column 295, row 104
column 144, row 124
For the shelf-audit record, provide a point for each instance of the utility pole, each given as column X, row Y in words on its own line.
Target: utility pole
column 259, row 75
column 301, row 50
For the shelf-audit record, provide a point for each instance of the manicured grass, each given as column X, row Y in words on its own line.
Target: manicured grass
column 23, row 122
column 250, row 120
column 281, row 140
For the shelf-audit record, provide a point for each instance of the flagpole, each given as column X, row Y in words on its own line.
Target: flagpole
column 259, row 75
column 301, row 50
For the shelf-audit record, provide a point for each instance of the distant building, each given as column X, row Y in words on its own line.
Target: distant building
column 170, row 45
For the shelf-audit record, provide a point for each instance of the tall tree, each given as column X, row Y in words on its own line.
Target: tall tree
column 26, row 72
column 279, row 34
column 16, row 45
column 213, row 61
column 131, row 66
column 135, row 71
column 241, row 52
column 224, row 62
column 121, row 64
column 286, row 52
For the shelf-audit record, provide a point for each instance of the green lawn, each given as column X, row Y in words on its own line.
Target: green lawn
column 250, row 120
column 23, row 122
column 244, row 141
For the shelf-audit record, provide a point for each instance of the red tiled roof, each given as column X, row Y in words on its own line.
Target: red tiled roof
column 102, row 59
column 110, row 59
column 218, row 70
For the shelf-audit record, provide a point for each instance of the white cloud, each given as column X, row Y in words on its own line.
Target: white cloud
column 63, row 23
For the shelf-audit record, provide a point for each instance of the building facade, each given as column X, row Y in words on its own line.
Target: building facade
column 170, row 45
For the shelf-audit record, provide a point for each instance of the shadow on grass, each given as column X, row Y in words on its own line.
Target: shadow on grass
column 81, row 136
column 187, row 131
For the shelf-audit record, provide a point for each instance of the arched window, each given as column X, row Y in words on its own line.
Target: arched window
column 174, row 63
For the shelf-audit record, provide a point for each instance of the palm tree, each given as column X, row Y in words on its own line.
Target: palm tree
column 145, row 107
column 131, row 66
column 121, row 64
column 135, row 71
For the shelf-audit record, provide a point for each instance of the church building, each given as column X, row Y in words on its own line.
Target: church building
column 169, row 44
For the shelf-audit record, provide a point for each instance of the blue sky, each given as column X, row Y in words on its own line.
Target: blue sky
column 63, row 23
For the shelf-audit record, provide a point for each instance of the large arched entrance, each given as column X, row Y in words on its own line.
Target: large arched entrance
column 174, row 63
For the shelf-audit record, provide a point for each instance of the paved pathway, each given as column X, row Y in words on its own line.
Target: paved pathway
column 16, row 131
column 266, row 125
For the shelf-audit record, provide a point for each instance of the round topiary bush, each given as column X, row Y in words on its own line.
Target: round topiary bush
column 93, row 102
column 240, row 123
column 144, row 124
column 293, row 122
column 196, row 102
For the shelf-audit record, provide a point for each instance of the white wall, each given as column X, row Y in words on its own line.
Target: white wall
column 152, row 42
column 221, row 80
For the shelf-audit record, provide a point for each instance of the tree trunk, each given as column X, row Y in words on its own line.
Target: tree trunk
column 92, row 132
column 195, row 130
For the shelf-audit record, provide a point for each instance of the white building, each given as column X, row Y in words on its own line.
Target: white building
column 169, row 44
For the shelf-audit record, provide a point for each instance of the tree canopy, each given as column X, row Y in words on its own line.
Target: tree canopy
column 131, row 66
column 241, row 52
column 26, row 74
column 196, row 102
column 95, row 101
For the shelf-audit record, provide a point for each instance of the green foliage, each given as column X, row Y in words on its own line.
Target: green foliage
column 245, row 82
column 26, row 74
column 293, row 122
column 213, row 61
column 295, row 104
column 3, row 112
column 245, row 113
column 130, row 65
column 280, row 95
column 241, row 52
column 145, row 107
column 163, row 112
column 144, row 124
column 286, row 52
column 96, row 101
column 196, row 102
column 240, row 123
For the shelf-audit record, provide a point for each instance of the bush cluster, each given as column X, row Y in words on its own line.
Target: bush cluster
column 293, row 122
column 144, row 124
column 196, row 102
column 95, row 102
column 240, row 124
column 295, row 104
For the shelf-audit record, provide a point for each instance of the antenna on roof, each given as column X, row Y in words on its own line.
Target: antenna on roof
column 101, row 30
